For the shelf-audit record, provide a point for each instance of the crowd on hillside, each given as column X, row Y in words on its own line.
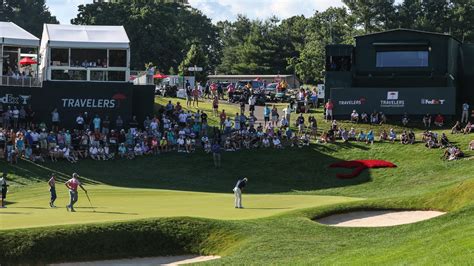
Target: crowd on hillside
column 174, row 129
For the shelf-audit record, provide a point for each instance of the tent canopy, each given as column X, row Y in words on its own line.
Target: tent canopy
column 89, row 37
column 12, row 34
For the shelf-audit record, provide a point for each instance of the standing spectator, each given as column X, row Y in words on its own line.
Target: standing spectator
column 96, row 123
column 106, row 125
column 266, row 114
column 216, row 154
column 427, row 120
column 275, row 115
column 287, row 113
column 52, row 190
column 55, row 119
column 329, row 106
column 30, row 114
column 16, row 117
column 252, row 101
column 119, row 123
column 189, row 94
column 222, row 117
column 215, row 105
column 79, row 122
column 133, row 124
column 195, row 93
column 87, row 121
column 4, row 188
column 314, row 98
column 465, row 113
column 22, row 117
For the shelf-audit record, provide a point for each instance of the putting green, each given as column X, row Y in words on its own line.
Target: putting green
column 29, row 207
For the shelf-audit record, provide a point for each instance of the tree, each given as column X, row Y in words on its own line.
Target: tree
column 372, row 15
column 195, row 57
column 158, row 32
column 28, row 14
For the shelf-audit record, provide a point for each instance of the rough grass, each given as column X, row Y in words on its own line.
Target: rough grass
column 289, row 236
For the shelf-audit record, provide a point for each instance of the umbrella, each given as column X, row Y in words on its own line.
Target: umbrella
column 28, row 61
column 160, row 76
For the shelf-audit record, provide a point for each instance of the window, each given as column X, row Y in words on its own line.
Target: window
column 88, row 57
column 59, row 57
column 117, row 58
column 116, row 76
column 99, row 75
column 402, row 59
column 69, row 75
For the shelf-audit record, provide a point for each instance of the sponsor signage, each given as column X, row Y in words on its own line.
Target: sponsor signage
column 352, row 102
column 10, row 99
column 111, row 103
column 392, row 101
column 433, row 101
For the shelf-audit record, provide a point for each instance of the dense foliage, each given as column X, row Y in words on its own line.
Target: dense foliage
column 28, row 14
column 175, row 37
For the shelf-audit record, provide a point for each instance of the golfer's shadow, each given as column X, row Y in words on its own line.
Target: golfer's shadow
column 267, row 208
column 105, row 212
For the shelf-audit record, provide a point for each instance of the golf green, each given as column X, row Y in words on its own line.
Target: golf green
column 30, row 208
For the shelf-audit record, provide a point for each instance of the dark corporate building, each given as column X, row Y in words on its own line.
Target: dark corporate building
column 74, row 69
column 400, row 71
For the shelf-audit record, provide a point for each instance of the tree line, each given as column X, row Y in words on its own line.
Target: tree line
column 174, row 37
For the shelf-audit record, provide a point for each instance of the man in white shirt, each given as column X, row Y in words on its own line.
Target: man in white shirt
column 465, row 113
column 354, row 116
column 287, row 113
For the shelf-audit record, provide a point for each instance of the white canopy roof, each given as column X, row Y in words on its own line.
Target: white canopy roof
column 79, row 36
column 12, row 34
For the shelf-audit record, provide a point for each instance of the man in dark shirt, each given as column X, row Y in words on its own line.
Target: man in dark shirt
column 241, row 183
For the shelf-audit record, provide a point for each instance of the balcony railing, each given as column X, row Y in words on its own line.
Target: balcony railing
column 20, row 81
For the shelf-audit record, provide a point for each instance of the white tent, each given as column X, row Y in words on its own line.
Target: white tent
column 11, row 34
column 88, row 37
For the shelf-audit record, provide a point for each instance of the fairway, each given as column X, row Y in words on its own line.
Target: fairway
column 118, row 204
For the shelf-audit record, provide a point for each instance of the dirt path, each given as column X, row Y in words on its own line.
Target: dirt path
column 173, row 260
column 378, row 218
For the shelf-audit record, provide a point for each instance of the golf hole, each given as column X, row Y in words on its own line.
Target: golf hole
column 377, row 218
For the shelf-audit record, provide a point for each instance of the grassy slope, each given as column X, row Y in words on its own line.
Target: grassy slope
column 421, row 181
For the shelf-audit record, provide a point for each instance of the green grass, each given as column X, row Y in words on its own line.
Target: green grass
column 141, row 206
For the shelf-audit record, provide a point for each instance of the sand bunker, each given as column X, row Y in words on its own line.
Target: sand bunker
column 172, row 260
column 377, row 218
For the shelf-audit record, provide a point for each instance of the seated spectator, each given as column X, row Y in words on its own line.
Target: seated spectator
column 392, row 136
column 137, row 150
column 374, row 118
column 345, row 135
column 277, row 143
column 352, row 134
column 468, row 128
column 265, row 142
column 354, row 116
column 405, row 120
column 404, row 138
column 439, row 120
column 382, row 118
column 207, row 147
column 427, row 120
column 453, row 153
column 364, row 117
column 471, row 145
column 457, row 128
column 304, row 141
column 411, row 137
column 370, row 137
column 383, row 136
column 444, row 141
column 362, row 137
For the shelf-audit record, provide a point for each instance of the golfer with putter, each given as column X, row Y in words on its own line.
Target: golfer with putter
column 72, row 185
column 52, row 190
column 3, row 187
column 241, row 183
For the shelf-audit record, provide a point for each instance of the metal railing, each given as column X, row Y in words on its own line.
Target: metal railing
column 141, row 78
column 20, row 81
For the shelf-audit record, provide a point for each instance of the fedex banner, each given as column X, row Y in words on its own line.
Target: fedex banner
column 395, row 101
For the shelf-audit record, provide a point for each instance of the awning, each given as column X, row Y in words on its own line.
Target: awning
column 11, row 34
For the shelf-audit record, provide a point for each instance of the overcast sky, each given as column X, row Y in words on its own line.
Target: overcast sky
column 218, row 10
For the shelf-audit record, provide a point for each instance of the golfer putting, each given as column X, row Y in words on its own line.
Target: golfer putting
column 241, row 183
column 4, row 187
column 72, row 185
column 52, row 190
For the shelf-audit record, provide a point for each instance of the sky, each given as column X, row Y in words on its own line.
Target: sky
column 219, row 10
